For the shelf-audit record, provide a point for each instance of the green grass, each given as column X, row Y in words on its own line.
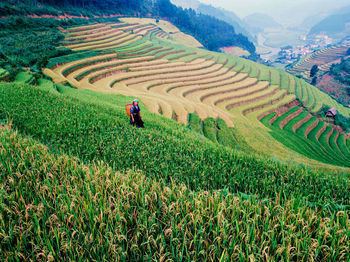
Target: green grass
column 281, row 118
column 66, row 210
column 82, row 123
column 301, row 130
column 221, row 133
column 71, row 58
column 85, row 185
column 309, row 147
column 24, row 77
column 29, row 42
column 295, row 120
column 209, row 129
column 285, row 81
column 47, row 85
column 264, row 74
column 275, row 77
column 335, row 147
column 299, row 90
column 230, row 137
column 333, row 151
column 342, row 145
column 2, row 71
column 195, row 123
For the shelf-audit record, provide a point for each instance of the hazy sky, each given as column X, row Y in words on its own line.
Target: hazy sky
column 284, row 11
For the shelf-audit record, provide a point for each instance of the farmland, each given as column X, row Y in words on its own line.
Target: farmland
column 324, row 58
column 234, row 163
column 140, row 58
column 117, row 212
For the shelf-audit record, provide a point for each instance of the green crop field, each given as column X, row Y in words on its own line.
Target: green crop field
column 89, row 127
column 323, row 58
column 179, row 80
column 233, row 164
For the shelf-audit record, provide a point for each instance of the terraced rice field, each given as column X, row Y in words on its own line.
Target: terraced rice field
column 181, row 82
column 300, row 131
column 172, row 31
column 324, row 58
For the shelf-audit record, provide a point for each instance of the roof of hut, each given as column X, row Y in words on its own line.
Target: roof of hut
column 332, row 112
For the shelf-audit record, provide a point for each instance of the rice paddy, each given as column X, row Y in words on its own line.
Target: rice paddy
column 179, row 80
column 106, row 215
column 323, row 58
column 233, row 164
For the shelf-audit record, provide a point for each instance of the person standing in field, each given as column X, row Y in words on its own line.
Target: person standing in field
column 135, row 114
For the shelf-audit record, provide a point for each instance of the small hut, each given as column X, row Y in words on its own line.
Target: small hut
column 331, row 113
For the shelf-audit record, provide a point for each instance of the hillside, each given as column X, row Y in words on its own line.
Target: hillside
column 177, row 80
column 227, row 16
column 91, row 211
column 311, row 21
column 330, row 74
column 258, row 22
column 341, row 71
column 224, row 15
column 323, row 58
column 234, row 162
column 335, row 25
column 186, row 4
column 336, row 89
column 336, row 82
column 195, row 24
column 213, row 37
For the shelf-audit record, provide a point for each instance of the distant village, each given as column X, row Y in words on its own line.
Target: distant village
column 290, row 54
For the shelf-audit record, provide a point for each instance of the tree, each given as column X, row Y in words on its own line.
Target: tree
column 314, row 70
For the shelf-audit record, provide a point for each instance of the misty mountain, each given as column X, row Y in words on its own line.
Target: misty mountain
column 258, row 22
column 187, row 4
column 219, row 13
column 311, row 21
column 213, row 33
column 228, row 17
column 335, row 25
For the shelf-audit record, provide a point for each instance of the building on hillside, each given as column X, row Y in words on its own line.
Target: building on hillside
column 331, row 113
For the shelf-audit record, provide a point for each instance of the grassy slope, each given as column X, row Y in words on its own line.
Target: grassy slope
column 315, row 100
column 260, row 132
column 59, row 208
column 300, row 144
column 65, row 207
column 169, row 28
column 2, row 71
column 93, row 126
column 24, row 77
